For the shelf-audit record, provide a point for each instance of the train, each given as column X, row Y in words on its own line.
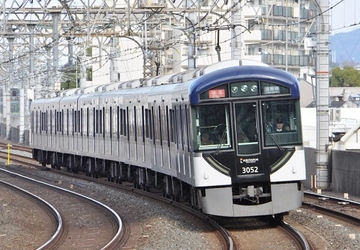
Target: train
column 207, row 136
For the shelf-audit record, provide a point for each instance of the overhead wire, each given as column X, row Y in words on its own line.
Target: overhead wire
column 217, row 21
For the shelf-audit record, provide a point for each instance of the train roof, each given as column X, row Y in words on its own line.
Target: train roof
column 243, row 73
column 211, row 76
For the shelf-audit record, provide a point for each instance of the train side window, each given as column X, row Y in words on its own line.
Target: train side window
column 56, row 121
column 143, row 115
column 51, row 122
column 180, row 122
column 104, row 122
column 119, row 114
column 111, row 122
column 87, row 121
column 122, row 122
column 62, row 122
column 80, row 121
column 67, row 122
column 177, row 135
column 47, row 121
column 168, row 129
column 152, row 123
column 94, row 128
column 32, row 121
column 172, row 128
column 127, row 127
column 147, row 123
column 37, row 122
column 98, row 121
column 160, row 125
column 73, row 123
column 135, row 124
column 187, row 132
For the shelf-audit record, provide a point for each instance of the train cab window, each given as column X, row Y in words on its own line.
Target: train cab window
column 212, row 127
column 246, row 128
column 281, row 123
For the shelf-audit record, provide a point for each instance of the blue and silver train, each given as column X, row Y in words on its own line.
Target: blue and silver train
column 208, row 136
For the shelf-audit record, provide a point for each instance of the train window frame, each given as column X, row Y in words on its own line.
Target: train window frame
column 51, row 121
column 62, row 125
column 247, row 143
column 172, row 128
column 94, row 129
column 81, row 121
column 73, row 118
column 103, row 122
column 135, row 124
column 168, row 129
column 218, row 129
column 187, row 127
column 180, row 123
column 37, row 121
column 67, row 122
column 152, row 124
column 127, row 127
column 291, row 114
column 111, row 122
column 143, row 116
column 87, row 121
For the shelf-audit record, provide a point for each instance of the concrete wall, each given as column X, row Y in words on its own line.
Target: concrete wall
column 346, row 172
column 14, row 134
column 310, row 161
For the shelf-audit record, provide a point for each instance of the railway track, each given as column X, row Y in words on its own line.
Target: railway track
column 19, row 156
column 265, row 233
column 344, row 209
column 224, row 236
column 76, row 211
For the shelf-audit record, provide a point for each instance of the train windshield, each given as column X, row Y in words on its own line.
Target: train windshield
column 246, row 128
column 212, row 127
column 282, row 123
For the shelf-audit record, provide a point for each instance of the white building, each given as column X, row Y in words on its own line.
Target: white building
column 276, row 32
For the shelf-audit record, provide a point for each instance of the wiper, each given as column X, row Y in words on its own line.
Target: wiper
column 269, row 125
column 222, row 139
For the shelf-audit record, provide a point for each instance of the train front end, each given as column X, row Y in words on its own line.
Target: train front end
column 248, row 152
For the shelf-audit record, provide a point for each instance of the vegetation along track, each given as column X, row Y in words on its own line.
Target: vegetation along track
column 21, row 156
column 85, row 219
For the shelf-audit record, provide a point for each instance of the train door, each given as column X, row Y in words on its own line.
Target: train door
column 249, row 161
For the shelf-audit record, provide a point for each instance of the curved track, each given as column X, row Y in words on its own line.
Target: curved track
column 19, row 155
column 86, row 220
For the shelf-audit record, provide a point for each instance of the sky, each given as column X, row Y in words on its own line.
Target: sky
column 344, row 15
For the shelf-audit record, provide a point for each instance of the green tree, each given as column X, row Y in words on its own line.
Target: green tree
column 70, row 76
column 346, row 77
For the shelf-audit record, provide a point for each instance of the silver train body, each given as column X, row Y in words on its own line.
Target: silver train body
column 209, row 139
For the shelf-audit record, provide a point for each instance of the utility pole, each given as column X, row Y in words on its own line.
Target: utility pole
column 322, row 96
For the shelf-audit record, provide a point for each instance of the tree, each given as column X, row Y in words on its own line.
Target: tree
column 346, row 77
column 70, row 75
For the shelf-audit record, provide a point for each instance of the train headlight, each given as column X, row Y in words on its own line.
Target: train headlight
column 254, row 88
column 244, row 88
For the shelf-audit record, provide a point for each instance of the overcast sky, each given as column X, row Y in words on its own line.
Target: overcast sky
column 345, row 14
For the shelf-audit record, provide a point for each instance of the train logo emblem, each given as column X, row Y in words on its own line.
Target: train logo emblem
column 249, row 160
